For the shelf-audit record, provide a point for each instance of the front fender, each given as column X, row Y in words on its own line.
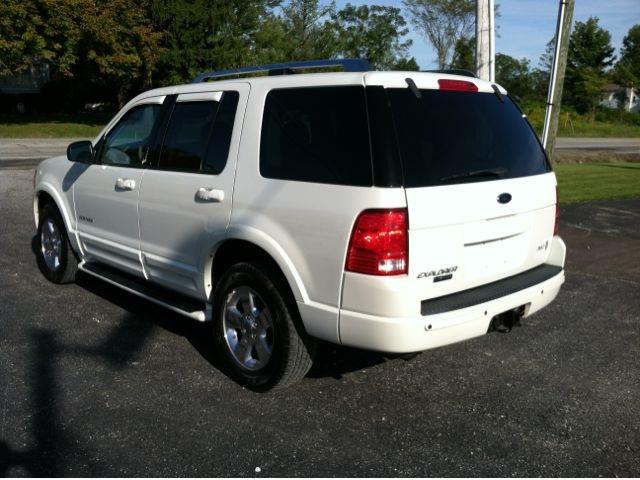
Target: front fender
column 55, row 177
column 62, row 205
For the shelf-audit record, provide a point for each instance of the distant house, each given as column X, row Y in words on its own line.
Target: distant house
column 613, row 95
column 20, row 90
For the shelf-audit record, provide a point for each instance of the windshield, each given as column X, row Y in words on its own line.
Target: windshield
column 450, row 137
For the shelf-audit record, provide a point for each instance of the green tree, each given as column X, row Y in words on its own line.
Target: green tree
column 627, row 70
column 514, row 75
column 406, row 65
column 464, row 54
column 546, row 59
column 590, row 54
column 443, row 23
column 309, row 31
column 201, row 35
column 374, row 33
column 120, row 44
column 21, row 39
column 90, row 46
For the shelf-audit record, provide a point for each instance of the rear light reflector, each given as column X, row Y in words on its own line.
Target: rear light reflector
column 379, row 243
column 457, row 85
column 556, row 225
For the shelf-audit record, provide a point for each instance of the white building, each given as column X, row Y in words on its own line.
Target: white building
column 614, row 94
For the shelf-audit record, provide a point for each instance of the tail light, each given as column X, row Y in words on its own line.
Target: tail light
column 379, row 243
column 556, row 225
column 457, row 85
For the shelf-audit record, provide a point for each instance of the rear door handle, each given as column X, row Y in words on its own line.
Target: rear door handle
column 210, row 195
column 125, row 184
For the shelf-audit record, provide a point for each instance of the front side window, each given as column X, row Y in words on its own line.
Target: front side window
column 316, row 134
column 126, row 143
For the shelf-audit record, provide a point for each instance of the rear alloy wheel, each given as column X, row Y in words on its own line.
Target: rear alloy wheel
column 56, row 260
column 257, row 329
column 248, row 328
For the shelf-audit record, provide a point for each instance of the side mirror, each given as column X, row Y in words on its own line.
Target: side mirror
column 81, row 151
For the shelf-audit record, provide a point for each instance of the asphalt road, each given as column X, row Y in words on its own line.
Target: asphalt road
column 29, row 151
column 617, row 145
column 94, row 382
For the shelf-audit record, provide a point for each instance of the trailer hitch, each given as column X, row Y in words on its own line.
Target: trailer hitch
column 504, row 322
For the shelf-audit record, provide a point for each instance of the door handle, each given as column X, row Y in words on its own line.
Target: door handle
column 210, row 195
column 125, row 184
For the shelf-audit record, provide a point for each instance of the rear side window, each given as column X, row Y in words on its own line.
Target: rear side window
column 220, row 140
column 187, row 135
column 316, row 134
column 198, row 135
column 452, row 137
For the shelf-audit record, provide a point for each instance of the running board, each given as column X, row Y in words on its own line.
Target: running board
column 200, row 311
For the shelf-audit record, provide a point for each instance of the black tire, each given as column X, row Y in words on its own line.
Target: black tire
column 67, row 266
column 292, row 350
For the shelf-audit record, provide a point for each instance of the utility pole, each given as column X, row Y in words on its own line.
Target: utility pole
column 485, row 40
column 556, row 80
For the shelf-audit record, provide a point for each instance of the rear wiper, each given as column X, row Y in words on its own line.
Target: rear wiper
column 493, row 172
column 498, row 93
column 413, row 87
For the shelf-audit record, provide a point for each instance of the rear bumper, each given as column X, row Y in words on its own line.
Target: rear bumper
column 402, row 335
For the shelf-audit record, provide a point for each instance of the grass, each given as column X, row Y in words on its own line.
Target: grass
column 572, row 124
column 52, row 125
column 598, row 181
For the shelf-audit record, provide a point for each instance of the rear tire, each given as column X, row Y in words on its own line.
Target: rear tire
column 56, row 259
column 257, row 329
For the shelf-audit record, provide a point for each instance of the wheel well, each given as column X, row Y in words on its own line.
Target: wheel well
column 234, row 251
column 45, row 199
column 42, row 199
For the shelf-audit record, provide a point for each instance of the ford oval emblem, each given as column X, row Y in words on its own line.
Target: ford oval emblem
column 504, row 198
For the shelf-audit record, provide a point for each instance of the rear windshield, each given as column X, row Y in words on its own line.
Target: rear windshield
column 453, row 137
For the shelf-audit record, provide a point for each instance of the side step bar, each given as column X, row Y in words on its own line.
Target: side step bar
column 200, row 311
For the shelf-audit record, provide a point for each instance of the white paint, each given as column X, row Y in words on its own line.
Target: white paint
column 160, row 230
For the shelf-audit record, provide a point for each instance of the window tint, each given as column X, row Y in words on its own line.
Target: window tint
column 126, row 143
column 218, row 148
column 186, row 137
column 317, row 134
column 446, row 135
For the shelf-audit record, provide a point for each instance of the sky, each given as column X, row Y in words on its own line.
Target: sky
column 525, row 26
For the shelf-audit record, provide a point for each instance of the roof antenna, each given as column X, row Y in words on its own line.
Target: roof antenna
column 414, row 89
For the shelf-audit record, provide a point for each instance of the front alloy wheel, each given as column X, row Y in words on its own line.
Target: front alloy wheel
column 56, row 259
column 51, row 245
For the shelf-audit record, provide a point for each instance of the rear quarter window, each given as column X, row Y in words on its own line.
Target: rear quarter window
column 446, row 135
column 316, row 134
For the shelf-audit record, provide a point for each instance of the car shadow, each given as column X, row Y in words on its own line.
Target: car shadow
column 331, row 360
column 53, row 443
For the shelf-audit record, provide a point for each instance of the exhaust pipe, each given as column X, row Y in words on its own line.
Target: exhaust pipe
column 504, row 322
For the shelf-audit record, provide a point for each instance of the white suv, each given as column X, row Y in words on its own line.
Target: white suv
column 392, row 211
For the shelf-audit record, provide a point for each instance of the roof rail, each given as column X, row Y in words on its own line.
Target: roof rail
column 454, row 71
column 348, row 64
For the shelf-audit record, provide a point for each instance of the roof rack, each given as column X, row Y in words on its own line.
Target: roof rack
column 454, row 71
column 348, row 64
